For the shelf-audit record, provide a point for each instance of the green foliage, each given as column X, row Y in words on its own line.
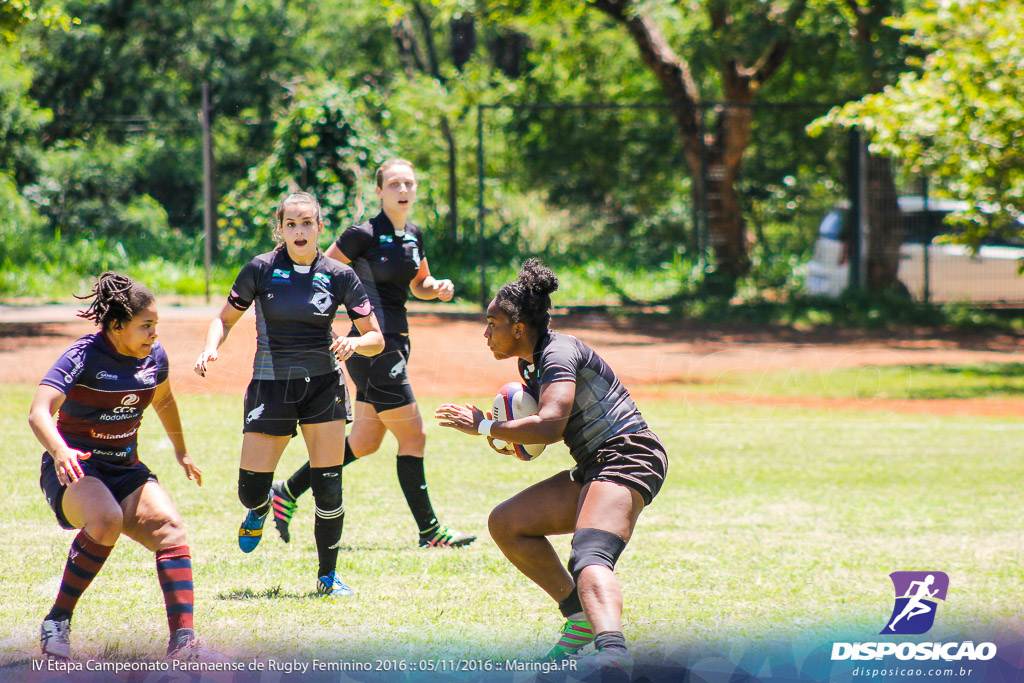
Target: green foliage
column 20, row 116
column 20, row 227
column 960, row 121
column 88, row 191
column 15, row 15
column 325, row 143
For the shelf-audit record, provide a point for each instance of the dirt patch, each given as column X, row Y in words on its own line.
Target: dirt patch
column 653, row 357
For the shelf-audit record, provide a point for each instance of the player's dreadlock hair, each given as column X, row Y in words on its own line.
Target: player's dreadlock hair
column 115, row 299
column 528, row 299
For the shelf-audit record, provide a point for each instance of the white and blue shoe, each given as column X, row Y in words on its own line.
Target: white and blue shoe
column 332, row 587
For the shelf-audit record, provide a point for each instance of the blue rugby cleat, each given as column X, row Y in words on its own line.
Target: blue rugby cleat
column 251, row 532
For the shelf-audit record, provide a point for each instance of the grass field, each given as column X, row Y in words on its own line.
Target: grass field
column 776, row 523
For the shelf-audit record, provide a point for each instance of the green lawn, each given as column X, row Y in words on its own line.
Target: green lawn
column 899, row 382
column 776, row 523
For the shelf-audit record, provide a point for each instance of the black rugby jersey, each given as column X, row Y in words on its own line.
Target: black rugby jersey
column 107, row 393
column 601, row 408
column 294, row 312
column 386, row 264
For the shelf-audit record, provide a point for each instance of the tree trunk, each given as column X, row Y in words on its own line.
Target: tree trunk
column 885, row 225
column 453, row 182
column 714, row 162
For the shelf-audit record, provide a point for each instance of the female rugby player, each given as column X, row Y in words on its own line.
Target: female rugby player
column 91, row 473
column 296, row 376
column 620, row 466
column 387, row 253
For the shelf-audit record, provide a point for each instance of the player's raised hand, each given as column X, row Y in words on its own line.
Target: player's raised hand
column 463, row 418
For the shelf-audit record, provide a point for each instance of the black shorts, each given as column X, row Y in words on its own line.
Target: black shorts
column 277, row 406
column 121, row 480
column 383, row 380
column 636, row 460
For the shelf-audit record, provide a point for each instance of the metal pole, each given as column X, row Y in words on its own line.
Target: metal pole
column 855, row 229
column 926, row 240
column 480, row 209
column 702, row 200
column 209, row 219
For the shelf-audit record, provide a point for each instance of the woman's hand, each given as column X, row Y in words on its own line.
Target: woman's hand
column 444, row 289
column 192, row 472
column 65, row 462
column 205, row 357
column 464, row 418
column 344, row 347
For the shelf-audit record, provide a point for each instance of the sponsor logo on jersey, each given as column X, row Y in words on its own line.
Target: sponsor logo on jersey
column 129, row 399
column 280, row 274
column 97, row 435
column 385, row 239
column 105, row 375
column 146, row 376
column 321, row 281
column 255, row 413
column 123, row 455
column 77, row 359
column 120, row 413
column 363, row 308
column 322, row 301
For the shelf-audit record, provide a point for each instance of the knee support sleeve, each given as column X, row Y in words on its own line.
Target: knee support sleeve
column 593, row 546
column 254, row 487
column 327, row 491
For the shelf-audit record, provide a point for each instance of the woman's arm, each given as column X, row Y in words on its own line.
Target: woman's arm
column 370, row 341
column 547, row 426
column 424, row 286
column 46, row 402
column 167, row 410
column 215, row 336
column 337, row 254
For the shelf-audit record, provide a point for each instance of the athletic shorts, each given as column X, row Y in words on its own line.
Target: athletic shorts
column 277, row 406
column 636, row 460
column 383, row 380
column 121, row 480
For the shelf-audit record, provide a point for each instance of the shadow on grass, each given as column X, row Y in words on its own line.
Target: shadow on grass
column 275, row 593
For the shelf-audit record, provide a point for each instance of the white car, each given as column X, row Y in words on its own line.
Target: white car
column 954, row 272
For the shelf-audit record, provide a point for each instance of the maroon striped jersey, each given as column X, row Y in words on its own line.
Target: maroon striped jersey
column 106, row 395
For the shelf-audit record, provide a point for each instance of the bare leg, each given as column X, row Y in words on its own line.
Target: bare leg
column 521, row 524
column 367, row 430
column 613, row 508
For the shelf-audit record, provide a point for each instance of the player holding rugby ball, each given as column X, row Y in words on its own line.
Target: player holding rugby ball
column 620, row 467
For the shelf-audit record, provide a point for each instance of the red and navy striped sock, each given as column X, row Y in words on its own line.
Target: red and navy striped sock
column 174, row 570
column 85, row 559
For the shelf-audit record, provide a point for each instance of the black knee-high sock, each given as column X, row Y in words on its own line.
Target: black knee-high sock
column 330, row 515
column 298, row 483
column 414, row 486
column 254, row 490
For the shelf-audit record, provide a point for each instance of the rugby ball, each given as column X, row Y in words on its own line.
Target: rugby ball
column 514, row 401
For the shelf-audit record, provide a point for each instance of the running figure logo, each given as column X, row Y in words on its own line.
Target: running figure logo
column 917, row 596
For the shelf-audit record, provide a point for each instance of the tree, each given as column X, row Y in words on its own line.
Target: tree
column 960, row 119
